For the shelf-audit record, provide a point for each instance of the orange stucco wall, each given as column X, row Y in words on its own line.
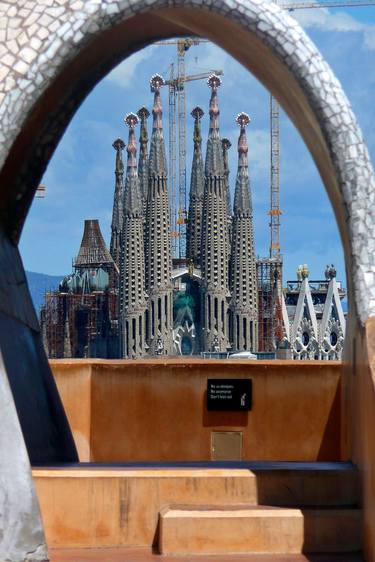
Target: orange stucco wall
column 155, row 410
column 359, row 421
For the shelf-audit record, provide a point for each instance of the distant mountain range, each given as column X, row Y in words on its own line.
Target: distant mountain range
column 39, row 283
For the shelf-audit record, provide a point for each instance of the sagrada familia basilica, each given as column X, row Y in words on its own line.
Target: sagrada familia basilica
column 136, row 300
column 210, row 303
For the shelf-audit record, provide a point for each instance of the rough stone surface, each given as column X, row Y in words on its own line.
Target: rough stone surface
column 21, row 529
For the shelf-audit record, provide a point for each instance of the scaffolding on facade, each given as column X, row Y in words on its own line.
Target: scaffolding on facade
column 269, row 278
column 80, row 325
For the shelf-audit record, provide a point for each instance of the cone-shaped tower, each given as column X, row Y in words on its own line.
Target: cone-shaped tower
column 157, row 245
column 226, row 144
column 93, row 251
column 143, row 115
column 244, row 306
column 193, row 247
column 117, row 212
column 214, row 250
column 132, row 279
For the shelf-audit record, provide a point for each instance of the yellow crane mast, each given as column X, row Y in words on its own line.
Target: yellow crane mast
column 275, row 211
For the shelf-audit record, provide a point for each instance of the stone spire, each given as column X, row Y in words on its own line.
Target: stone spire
column 242, row 198
column 92, row 251
column 143, row 115
column 132, row 281
column 214, row 249
column 226, row 144
column 214, row 164
column 157, row 245
column 196, row 192
column 157, row 160
column 117, row 213
column 244, row 305
column 133, row 203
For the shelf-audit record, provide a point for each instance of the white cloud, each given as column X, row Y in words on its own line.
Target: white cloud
column 125, row 72
column 214, row 58
column 323, row 19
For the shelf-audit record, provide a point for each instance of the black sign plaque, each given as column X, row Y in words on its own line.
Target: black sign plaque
column 231, row 395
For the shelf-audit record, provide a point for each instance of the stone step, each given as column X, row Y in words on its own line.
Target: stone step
column 258, row 529
column 305, row 484
column 147, row 555
column 139, row 491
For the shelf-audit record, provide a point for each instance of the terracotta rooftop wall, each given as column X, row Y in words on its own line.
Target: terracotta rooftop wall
column 155, row 410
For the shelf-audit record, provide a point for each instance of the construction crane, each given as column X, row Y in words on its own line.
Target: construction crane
column 40, row 192
column 177, row 114
column 275, row 211
column 179, row 214
column 325, row 4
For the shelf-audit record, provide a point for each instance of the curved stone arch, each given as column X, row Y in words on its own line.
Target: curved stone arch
column 66, row 46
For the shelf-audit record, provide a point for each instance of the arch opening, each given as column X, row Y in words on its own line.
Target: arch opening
column 249, row 50
column 260, row 38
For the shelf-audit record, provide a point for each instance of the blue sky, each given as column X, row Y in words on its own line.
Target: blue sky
column 80, row 177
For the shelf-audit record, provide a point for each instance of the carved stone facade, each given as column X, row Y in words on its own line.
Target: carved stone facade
column 214, row 249
column 146, row 293
column 314, row 322
column 244, row 308
column 194, row 227
column 221, row 243
column 190, row 308
column 117, row 211
column 158, row 244
column 133, row 305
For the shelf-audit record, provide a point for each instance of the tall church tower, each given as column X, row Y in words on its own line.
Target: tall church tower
column 143, row 115
column 196, row 193
column 132, row 281
column 157, row 246
column 214, row 250
column 226, row 144
column 244, row 306
column 117, row 212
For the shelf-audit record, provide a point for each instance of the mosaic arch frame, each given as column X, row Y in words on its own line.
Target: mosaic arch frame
column 52, row 54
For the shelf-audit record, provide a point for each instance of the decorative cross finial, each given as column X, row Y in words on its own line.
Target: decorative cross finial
column 226, row 144
column 131, row 120
column 214, row 81
column 197, row 113
column 143, row 114
column 118, row 144
column 242, row 120
column 156, row 83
